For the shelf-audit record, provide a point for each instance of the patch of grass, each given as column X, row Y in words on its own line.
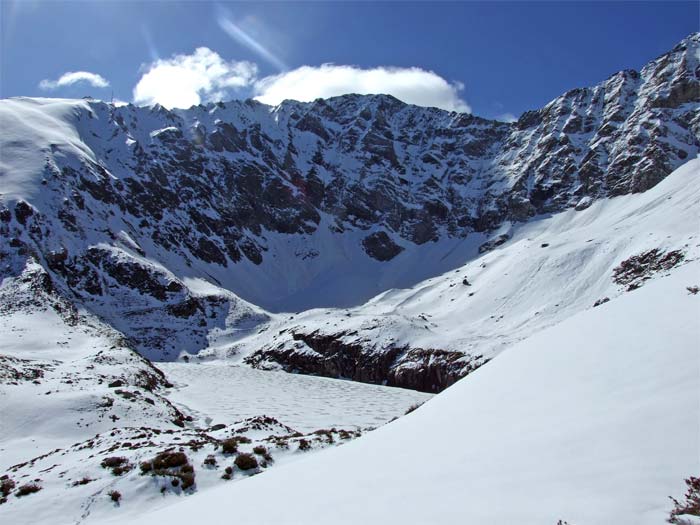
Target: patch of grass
column 115, row 496
column 304, row 444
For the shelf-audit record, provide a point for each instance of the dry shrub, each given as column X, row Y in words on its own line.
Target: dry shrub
column 246, row 461
column 25, row 490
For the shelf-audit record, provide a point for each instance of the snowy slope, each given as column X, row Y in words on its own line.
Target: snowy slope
column 74, row 394
column 550, row 269
column 62, row 417
column 56, row 367
column 593, row 421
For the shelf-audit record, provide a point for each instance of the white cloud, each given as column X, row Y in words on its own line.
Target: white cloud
column 507, row 117
column 203, row 76
column 73, row 77
column 411, row 85
column 186, row 80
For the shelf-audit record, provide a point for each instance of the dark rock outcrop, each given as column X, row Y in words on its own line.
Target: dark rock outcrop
column 632, row 272
column 379, row 245
column 426, row 370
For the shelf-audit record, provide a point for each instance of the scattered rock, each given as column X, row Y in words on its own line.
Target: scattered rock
column 493, row 243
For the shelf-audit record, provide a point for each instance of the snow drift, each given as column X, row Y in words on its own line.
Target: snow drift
column 593, row 421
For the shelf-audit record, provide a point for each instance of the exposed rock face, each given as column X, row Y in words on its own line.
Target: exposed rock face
column 332, row 355
column 379, row 246
column 131, row 200
column 494, row 243
column 634, row 271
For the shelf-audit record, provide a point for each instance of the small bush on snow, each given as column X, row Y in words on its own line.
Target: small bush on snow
column 229, row 446
column 412, row 408
column 119, row 465
column 173, row 464
column 262, row 451
column 6, row 485
column 246, row 461
column 25, row 490
column 684, row 512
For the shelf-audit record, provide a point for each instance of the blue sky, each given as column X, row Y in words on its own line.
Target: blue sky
column 495, row 59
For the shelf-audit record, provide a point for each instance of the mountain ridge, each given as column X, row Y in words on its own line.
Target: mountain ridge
column 173, row 225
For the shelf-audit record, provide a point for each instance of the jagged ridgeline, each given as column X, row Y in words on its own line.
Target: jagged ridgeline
column 171, row 223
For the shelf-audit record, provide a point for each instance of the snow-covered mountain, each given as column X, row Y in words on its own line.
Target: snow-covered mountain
column 357, row 238
column 571, row 422
column 430, row 335
column 174, row 225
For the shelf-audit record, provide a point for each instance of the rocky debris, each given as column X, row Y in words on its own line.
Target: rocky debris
column 14, row 370
column 493, row 243
column 128, row 272
column 379, row 246
column 23, row 211
column 584, row 203
column 432, row 370
column 331, row 355
column 601, row 301
column 633, row 272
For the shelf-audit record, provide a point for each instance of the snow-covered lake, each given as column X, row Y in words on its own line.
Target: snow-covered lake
column 219, row 392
